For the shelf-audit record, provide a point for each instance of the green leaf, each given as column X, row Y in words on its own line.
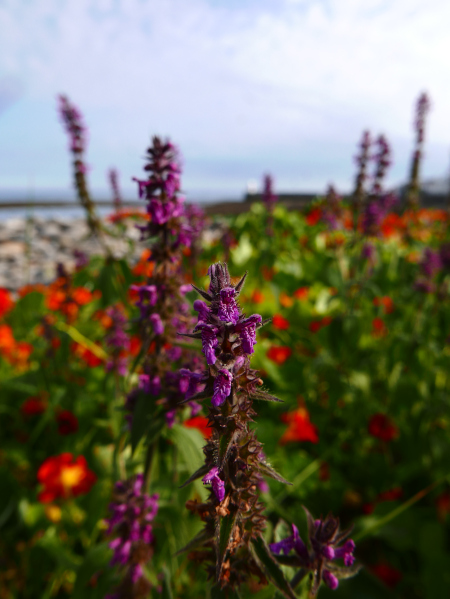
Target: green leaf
column 267, row 470
column 166, row 585
column 141, row 423
column 270, row 567
column 197, row 474
column 224, row 531
column 189, row 442
column 198, row 540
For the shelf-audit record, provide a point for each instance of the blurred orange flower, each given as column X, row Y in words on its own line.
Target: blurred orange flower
column 301, row 293
column 299, row 428
column 200, row 423
column 6, row 301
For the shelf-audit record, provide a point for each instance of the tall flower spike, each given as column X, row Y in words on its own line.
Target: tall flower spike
column 362, row 160
column 234, row 460
column 422, row 108
column 73, row 122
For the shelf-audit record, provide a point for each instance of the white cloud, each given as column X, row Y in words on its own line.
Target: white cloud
column 249, row 81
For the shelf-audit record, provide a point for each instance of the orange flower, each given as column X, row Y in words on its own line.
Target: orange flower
column 279, row 322
column 82, row 296
column 301, row 293
column 267, row 273
column 7, row 341
column 279, row 354
column 63, row 476
column 379, row 329
column 144, row 268
column 386, row 302
column 135, row 345
column 257, row 297
column 201, row 424
column 6, row 302
column 26, row 289
column 299, row 427
column 313, row 217
column 285, row 300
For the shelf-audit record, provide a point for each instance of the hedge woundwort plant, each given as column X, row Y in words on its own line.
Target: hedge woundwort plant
column 422, row 108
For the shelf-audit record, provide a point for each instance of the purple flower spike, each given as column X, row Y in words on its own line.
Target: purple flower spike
column 222, row 387
column 218, row 485
column 330, row 580
column 346, row 552
column 157, row 324
column 228, row 310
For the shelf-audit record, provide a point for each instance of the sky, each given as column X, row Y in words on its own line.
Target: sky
column 242, row 87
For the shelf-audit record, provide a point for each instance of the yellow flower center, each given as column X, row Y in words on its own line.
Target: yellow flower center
column 71, row 476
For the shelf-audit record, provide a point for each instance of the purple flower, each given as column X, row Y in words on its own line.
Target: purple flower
column 431, row 263
column 222, row 387
column 149, row 384
column 157, row 323
column 170, row 417
column 209, row 341
column 292, row 542
column 247, row 330
column 228, row 310
column 330, row 580
column 132, row 512
column 203, row 311
column 218, row 485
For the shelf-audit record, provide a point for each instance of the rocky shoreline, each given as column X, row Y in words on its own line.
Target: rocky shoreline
column 31, row 248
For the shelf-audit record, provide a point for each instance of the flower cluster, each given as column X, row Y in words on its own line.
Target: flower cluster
column 374, row 213
column 325, row 540
column 423, row 106
column 430, row 266
column 269, row 199
column 132, row 514
column 118, row 340
column 362, row 160
column 234, row 460
column 383, row 160
column 163, row 311
column 113, row 176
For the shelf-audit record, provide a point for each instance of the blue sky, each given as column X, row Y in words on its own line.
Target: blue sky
column 243, row 87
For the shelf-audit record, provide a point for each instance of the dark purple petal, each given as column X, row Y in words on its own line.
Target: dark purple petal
column 330, row 580
column 222, row 387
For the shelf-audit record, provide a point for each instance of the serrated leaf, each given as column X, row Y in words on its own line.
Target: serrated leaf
column 224, row 532
column 198, row 540
column 264, row 396
column 197, row 474
column 270, row 567
column 267, row 470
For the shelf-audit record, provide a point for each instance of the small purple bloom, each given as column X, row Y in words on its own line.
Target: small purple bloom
column 170, row 417
column 330, row 579
column 157, row 323
column 228, row 309
column 218, row 485
column 203, row 311
column 247, row 330
column 222, row 387
column 431, row 263
column 209, row 341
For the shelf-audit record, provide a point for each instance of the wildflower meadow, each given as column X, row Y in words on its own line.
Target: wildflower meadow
column 258, row 412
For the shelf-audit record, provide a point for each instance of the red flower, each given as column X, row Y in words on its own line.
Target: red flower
column 381, row 427
column 386, row 302
column 86, row 355
column 379, row 329
column 6, row 303
column 67, row 422
column 314, row 217
column 135, row 345
column 301, row 293
column 299, row 427
column 391, row 495
column 82, row 296
column 386, row 573
column 279, row 354
column 279, row 322
column 316, row 325
column 63, row 476
column 200, row 423
column 33, row 406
